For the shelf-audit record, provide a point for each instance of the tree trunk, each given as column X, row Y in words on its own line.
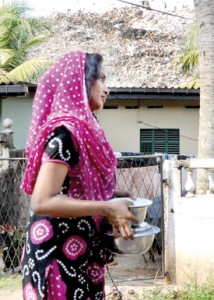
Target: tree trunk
column 204, row 10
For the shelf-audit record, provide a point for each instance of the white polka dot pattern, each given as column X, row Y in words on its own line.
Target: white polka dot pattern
column 61, row 100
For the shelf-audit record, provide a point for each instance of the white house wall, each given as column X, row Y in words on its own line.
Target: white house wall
column 18, row 109
column 122, row 126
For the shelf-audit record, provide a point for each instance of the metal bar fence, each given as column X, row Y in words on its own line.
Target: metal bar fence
column 14, row 211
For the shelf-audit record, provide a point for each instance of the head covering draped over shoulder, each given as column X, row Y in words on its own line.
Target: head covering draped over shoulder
column 61, row 100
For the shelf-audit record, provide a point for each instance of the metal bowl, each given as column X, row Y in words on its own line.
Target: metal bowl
column 143, row 239
column 139, row 209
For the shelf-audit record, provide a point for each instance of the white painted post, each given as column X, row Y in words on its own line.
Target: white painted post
column 172, row 192
column 190, row 186
column 6, row 143
column 194, row 164
column 211, row 182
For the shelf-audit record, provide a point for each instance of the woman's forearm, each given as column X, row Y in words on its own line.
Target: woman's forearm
column 65, row 207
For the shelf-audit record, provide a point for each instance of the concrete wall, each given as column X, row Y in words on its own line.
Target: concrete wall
column 194, row 242
column 18, row 109
column 188, row 231
column 122, row 126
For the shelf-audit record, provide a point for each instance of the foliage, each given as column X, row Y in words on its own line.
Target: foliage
column 198, row 292
column 18, row 35
column 191, row 291
column 188, row 59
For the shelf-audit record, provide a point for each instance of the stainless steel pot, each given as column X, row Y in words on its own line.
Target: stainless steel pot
column 138, row 208
column 143, row 238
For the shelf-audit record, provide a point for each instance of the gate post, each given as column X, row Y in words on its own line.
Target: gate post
column 6, row 143
column 172, row 191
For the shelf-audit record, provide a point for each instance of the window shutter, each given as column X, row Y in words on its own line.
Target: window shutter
column 159, row 140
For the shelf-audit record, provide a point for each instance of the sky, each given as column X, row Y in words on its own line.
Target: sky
column 46, row 7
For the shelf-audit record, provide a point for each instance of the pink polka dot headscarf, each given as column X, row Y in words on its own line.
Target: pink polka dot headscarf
column 61, row 99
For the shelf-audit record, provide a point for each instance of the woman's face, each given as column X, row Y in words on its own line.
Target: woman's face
column 99, row 92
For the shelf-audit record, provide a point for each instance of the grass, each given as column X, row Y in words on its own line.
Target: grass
column 191, row 291
column 10, row 282
column 198, row 292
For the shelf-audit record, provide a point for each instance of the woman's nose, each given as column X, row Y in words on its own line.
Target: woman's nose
column 106, row 91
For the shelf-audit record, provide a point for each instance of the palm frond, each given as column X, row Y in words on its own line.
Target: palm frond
column 28, row 69
column 38, row 26
column 193, row 84
column 16, row 7
column 4, row 78
column 14, row 31
column 187, row 60
column 18, row 34
column 35, row 41
column 5, row 55
column 191, row 38
column 18, row 56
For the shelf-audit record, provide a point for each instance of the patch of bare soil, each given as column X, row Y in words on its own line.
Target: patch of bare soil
column 137, row 266
column 11, row 294
column 130, row 275
column 129, row 290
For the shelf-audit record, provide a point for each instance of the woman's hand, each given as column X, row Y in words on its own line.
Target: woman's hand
column 121, row 218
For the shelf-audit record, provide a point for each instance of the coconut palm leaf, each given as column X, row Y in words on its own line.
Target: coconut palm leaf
column 18, row 57
column 14, row 31
column 16, row 7
column 38, row 25
column 193, row 84
column 188, row 60
column 4, row 76
column 5, row 55
column 17, row 37
column 35, row 41
column 28, row 69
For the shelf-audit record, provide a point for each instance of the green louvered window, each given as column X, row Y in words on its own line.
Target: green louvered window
column 159, row 140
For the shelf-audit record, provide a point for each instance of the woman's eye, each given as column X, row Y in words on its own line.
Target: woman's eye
column 102, row 78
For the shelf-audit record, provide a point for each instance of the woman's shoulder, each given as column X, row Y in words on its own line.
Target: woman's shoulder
column 60, row 132
column 60, row 146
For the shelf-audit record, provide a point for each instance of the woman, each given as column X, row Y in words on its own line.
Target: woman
column 71, row 175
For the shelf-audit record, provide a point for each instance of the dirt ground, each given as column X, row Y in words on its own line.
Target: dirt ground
column 11, row 294
column 130, row 275
column 129, row 291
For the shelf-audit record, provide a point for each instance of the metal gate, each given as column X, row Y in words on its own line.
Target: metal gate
column 140, row 174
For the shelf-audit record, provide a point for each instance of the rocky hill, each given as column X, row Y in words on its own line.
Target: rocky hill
column 138, row 45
